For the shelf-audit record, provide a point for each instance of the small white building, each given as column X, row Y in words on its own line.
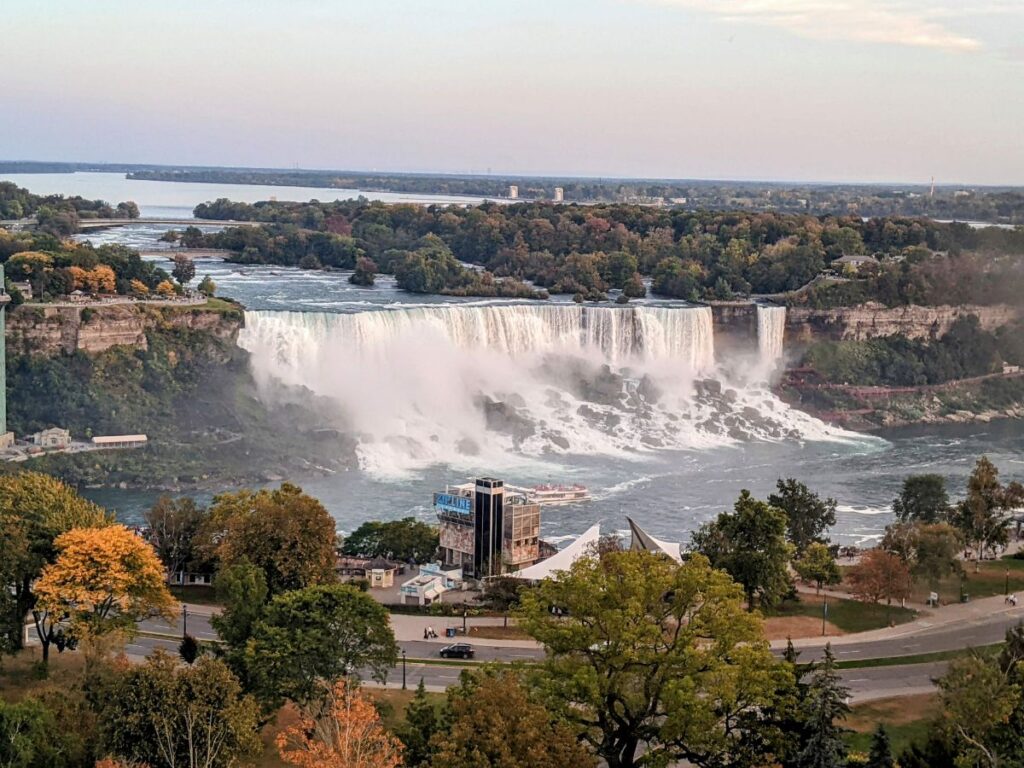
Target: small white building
column 119, row 441
column 430, row 584
column 53, row 438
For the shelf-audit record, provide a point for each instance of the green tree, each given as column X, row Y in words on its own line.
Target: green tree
column 309, row 639
column 242, row 590
column 165, row 715
column 981, row 517
column 978, row 700
column 824, row 706
column 502, row 594
column 173, row 525
column 365, row 272
column 923, row 499
column 407, row 540
column 490, row 722
column 642, row 651
column 935, row 553
column 880, row 755
column 808, row 515
column 284, row 531
column 421, row 723
column 207, row 287
column 184, row 268
column 750, row 545
column 30, row 736
column 817, row 565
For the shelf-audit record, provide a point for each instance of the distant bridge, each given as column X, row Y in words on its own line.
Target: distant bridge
column 87, row 225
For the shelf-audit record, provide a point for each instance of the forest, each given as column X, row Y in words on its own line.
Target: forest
column 57, row 214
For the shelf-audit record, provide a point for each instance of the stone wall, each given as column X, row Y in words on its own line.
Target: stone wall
column 47, row 331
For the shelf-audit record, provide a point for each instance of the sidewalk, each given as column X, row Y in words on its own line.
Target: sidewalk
column 408, row 628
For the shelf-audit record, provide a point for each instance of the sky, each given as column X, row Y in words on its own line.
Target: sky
column 815, row 90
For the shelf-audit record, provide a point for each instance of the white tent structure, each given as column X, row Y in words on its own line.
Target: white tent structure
column 563, row 559
column 644, row 541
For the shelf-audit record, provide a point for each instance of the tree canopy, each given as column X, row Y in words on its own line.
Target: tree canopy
column 808, row 516
column 406, row 540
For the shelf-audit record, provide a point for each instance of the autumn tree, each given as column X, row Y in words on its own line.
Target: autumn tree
column 138, row 288
column 173, row 527
column 491, row 722
column 35, row 509
column 165, row 288
column 880, row 575
column 101, row 279
column 750, row 545
column 643, row 651
column 342, row 731
column 284, row 531
column 171, row 716
column 104, row 579
column 818, row 566
column 923, row 499
column 309, row 639
column 982, row 516
column 808, row 516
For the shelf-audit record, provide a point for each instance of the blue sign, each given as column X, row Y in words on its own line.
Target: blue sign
column 449, row 502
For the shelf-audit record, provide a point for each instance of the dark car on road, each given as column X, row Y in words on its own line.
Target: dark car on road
column 457, row 651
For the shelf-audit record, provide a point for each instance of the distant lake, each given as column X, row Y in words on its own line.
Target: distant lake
column 175, row 200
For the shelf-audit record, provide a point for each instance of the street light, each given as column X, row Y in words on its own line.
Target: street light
column 1006, row 588
column 464, row 612
column 403, row 669
column 824, row 613
column 184, row 620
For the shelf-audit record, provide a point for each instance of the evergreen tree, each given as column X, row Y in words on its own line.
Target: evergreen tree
column 421, row 723
column 824, row 705
column 880, row 755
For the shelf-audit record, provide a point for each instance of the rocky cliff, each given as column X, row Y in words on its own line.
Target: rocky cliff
column 49, row 331
column 870, row 321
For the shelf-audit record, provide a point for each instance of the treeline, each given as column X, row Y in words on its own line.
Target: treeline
column 965, row 351
column 590, row 250
column 57, row 214
column 998, row 205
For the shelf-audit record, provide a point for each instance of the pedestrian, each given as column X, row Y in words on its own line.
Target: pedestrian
column 426, row 633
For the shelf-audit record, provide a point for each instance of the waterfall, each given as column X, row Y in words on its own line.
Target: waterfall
column 771, row 329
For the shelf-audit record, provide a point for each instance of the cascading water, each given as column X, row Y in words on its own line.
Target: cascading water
column 488, row 386
column 771, row 330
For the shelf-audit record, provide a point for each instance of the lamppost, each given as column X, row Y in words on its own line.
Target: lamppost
column 403, row 669
column 1006, row 587
column 184, row 621
column 464, row 612
column 824, row 613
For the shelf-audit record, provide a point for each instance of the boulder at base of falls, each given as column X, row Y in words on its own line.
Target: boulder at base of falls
column 504, row 418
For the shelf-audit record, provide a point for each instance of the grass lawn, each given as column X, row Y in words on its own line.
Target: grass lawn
column 18, row 677
column 199, row 594
column 496, row 632
column 990, row 580
column 847, row 615
column 907, row 719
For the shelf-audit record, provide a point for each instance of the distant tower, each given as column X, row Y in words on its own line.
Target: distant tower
column 932, row 192
column 559, row 194
column 513, row 192
column 6, row 438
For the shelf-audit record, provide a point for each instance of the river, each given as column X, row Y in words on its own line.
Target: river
column 407, row 372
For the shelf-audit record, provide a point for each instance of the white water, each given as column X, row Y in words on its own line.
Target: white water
column 771, row 331
column 503, row 386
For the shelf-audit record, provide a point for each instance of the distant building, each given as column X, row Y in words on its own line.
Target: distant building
column 53, row 438
column 853, row 261
column 513, row 192
column 380, row 573
column 119, row 441
column 432, row 581
column 559, row 194
column 24, row 288
column 486, row 531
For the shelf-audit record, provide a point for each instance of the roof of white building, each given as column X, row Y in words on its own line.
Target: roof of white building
column 563, row 559
column 644, row 541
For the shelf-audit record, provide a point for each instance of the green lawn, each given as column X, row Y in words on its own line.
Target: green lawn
column 907, row 719
column 848, row 615
column 990, row 580
column 199, row 594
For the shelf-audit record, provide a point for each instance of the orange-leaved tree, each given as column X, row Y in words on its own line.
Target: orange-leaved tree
column 104, row 579
column 343, row 732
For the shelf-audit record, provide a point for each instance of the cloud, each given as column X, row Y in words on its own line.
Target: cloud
column 866, row 21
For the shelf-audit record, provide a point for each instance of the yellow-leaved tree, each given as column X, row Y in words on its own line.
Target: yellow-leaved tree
column 104, row 579
column 345, row 733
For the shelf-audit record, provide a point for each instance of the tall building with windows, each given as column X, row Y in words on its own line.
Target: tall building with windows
column 559, row 195
column 486, row 528
column 6, row 438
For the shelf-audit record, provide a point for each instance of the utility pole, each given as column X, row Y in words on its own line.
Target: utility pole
column 403, row 669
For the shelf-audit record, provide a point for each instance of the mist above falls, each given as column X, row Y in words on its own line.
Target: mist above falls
column 495, row 386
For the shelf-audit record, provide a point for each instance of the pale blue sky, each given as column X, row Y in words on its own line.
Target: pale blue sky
column 860, row 90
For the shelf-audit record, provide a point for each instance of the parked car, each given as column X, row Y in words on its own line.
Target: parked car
column 457, row 651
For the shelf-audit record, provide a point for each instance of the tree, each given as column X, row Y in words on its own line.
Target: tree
column 138, row 288
column 501, row 594
column 165, row 288
column 808, row 515
column 284, row 531
column 103, row 579
column 824, row 705
column 184, row 268
column 408, row 540
column 750, row 545
column 311, row 638
column 189, row 650
column 922, row 500
column 173, row 526
column 935, row 553
column 168, row 716
column 490, row 722
column 207, row 287
column 978, row 700
column 880, row 575
column 421, row 723
column 981, row 517
column 818, row 565
column 366, row 271
column 30, row 736
column 242, row 590
column 35, row 509
column 344, row 731
column 643, row 651
column 880, row 755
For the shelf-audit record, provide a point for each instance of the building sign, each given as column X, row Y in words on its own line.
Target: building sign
column 448, row 502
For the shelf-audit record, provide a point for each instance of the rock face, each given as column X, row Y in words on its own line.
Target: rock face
column 870, row 321
column 48, row 331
